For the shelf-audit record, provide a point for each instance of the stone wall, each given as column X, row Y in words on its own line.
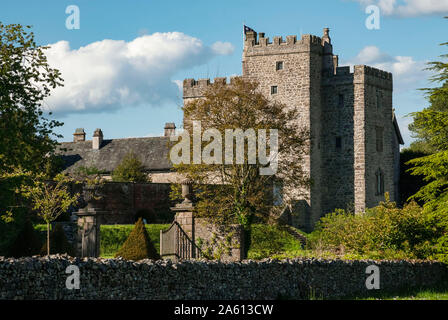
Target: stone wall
column 123, row 201
column 45, row 278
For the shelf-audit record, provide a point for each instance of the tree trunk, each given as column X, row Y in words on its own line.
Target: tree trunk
column 48, row 238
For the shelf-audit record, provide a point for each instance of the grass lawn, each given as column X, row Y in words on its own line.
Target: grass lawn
column 265, row 240
column 268, row 240
column 440, row 293
column 113, row 236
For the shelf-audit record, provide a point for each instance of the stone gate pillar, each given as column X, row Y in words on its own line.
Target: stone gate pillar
column 184, row 210
column 89, row 222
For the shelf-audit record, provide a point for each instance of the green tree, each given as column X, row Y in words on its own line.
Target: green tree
column 238, row 193
column 130, row 170
column 26, row 80
column 431, row 125
column 49, row 198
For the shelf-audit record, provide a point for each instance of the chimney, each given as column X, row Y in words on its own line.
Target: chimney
column 79, row 135
column 97, row 139
column 170, row 129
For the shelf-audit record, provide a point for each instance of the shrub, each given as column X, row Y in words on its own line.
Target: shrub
column 267, row 240
column 130, row 170
column 27, row 243
column 138, row 246
column 58, row 243
column 383, row 232
column 114, row 236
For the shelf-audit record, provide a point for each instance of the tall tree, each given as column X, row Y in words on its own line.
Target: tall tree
column 237, row 191
column 26, row 80
column 431, row 126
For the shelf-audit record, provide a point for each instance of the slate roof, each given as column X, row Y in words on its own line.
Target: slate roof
column 153, row 153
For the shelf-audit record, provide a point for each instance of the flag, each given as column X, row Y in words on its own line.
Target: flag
column 247, row 29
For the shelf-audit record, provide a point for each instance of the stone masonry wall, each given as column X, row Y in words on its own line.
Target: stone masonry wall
column 45, row 278
column 337, row 167
column 123, row 201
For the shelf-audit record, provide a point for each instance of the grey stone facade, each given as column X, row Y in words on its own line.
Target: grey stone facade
column 354, row 152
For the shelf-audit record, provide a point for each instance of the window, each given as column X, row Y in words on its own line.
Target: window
column 341, row 101
column 274, row 90
column 338, row 142
column 379, row 182
column 279, row 65
column 379, row 97
column 379, row 139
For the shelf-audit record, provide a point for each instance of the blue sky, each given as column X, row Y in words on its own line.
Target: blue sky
column 124, row 64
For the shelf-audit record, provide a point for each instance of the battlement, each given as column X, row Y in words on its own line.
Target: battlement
column 195, row 88
column 372, row 72
column 262, row 44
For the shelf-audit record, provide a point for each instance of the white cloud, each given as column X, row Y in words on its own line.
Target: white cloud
column 409, row 8
column 408, row 74
column 223, row 48
column 110, row 74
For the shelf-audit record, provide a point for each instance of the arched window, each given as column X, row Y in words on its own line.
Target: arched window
column 379, row 188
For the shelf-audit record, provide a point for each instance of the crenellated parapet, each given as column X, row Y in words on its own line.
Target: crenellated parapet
column 362, row 74
column 373, row 76
column 261, row 45
column 195, row 88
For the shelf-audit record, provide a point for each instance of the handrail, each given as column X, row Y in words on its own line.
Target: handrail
column 184, row 247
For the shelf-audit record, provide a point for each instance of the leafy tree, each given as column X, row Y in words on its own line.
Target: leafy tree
column 431, row 126
column 239, row 193
column 26, row 80
column 49, row 198
column 130, row 170
column 410, row 183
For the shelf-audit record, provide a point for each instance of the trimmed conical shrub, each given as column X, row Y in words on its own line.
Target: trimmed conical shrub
column 58, row 243
column 27, row 243
column 138, row 246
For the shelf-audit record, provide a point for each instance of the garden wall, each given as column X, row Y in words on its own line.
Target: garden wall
column 45, row 278
column 122, row 201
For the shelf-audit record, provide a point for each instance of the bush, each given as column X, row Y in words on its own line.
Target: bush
column 383, row 232
column 267, row 240
column 114, row 236
column 130, row 170
column 138, row 245
column 58, row 243
column 27, row 243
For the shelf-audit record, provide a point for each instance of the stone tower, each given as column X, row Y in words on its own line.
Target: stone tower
column 354, row 152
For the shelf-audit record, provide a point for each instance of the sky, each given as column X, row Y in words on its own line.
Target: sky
column 123, row 65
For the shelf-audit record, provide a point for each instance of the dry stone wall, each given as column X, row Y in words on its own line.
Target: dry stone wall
column 45, row 278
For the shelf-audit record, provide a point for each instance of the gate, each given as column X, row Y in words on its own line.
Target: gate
column 176, row 245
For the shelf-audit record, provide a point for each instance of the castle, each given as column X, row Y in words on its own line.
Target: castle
column 355, row 146
column 354, row 155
